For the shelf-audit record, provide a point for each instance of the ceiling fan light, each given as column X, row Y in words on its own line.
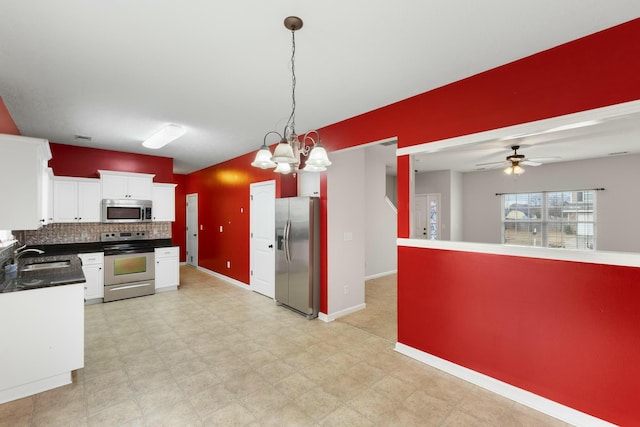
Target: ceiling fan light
column 263, row 158
column 284, row 153
column 514, row 169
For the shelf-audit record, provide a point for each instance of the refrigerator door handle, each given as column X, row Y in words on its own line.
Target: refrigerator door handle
column 287, row 231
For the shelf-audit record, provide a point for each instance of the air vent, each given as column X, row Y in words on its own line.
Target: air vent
column 82, row 138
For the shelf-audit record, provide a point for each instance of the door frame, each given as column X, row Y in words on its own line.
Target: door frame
column 192, row 252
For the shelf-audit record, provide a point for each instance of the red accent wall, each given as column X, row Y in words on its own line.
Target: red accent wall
column 7, row 125
column 563, row 330
column 84, row 162
column 223, row 190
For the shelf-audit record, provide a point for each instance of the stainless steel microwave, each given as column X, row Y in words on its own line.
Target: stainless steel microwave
column 126, row 210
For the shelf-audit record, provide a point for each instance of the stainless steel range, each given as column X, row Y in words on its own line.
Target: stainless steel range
column 129, row 265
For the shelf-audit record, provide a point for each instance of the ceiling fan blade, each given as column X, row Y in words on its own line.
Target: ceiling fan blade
column 530, row 163
column 493, row 163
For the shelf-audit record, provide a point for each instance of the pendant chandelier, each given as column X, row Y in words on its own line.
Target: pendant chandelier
column 287, row 155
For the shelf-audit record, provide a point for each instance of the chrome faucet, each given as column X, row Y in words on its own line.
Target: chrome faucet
column 21, row 251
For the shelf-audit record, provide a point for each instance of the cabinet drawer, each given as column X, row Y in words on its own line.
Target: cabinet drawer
column 167, row 252
column 96, row 258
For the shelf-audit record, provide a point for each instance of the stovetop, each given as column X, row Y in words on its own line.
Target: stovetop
column 116, row 246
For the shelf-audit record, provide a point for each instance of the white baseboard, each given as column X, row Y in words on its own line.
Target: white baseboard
column 385, row 273
column 333, row 316
column 231, row 281
column 35, row 387
column 539, row 403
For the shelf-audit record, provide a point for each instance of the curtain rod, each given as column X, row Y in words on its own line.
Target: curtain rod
column 556, row 191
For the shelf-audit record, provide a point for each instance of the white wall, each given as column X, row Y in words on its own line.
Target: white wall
column 346, row 231
column 392, row 187
column 457, row 194
column 380, row 218
column 617, row 210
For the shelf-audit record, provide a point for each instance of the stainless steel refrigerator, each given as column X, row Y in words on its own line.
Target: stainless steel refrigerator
column 298, row 254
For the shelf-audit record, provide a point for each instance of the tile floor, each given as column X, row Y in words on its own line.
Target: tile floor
column 381, row 315
column 212, row 354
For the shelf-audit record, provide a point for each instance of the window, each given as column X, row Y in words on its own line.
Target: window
column 554, row 219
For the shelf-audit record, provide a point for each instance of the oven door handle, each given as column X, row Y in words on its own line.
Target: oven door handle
column 138, row 285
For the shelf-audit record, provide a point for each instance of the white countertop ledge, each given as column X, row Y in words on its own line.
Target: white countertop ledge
column 625, row 259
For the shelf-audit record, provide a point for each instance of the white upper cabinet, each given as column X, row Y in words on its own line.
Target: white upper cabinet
column 22, row 171
column 76, row 199
column 126, row 185
column 164, row 202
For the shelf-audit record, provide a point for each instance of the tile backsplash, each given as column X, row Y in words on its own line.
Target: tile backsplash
column 87, row 232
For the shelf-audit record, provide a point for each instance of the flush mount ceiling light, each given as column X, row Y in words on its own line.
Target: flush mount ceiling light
column 164, row 136
column 287, row 155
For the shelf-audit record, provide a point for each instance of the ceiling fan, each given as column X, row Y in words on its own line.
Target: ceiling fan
column 513, row 162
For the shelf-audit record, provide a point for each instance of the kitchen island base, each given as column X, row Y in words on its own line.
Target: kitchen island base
column 42, row 337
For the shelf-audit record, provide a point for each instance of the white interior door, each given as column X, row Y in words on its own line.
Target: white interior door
column 192, row 229
column 262, row 262
column 420, row 215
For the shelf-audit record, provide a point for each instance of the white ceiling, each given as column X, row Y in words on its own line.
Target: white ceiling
column 118, row 70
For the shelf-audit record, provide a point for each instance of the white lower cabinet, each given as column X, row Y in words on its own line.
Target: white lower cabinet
column 167, row 268
column 42, row 340
column 93, row 269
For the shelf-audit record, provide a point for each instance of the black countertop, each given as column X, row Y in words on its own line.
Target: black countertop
column 25, row 280
column 83, row 248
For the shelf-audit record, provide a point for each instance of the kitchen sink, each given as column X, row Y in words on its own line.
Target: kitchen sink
column 46, row 265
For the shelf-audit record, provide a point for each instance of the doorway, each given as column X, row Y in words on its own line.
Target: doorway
column 192, row 229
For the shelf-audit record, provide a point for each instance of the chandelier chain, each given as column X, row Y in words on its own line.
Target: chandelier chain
column 291, row 123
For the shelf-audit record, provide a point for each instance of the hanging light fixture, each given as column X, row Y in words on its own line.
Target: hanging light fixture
column 286, row 157
column 514, row 168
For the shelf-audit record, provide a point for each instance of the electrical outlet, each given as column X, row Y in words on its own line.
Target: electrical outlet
column 346, row 289
column 228, row 264
column 221, row 229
